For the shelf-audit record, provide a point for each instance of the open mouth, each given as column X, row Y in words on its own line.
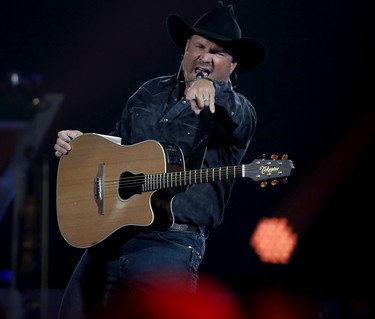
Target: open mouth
column 202, row 71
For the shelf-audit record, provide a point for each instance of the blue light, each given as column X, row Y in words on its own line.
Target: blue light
column 6, row 275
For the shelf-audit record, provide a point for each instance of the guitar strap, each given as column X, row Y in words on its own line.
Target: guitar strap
column 201, row 139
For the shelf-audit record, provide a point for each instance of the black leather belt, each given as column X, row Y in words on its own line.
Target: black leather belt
column 185, row 227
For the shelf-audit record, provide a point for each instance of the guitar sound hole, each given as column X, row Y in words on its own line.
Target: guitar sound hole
column 130, row 184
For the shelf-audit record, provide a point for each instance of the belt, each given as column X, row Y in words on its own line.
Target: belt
column 186, row 227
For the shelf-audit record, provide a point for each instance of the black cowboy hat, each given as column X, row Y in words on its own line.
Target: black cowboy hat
column 220, row 26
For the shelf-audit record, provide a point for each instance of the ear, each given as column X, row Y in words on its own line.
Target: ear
column 187, row 44
column 232, row 66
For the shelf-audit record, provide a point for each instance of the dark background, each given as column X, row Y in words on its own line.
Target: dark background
column 314, row 98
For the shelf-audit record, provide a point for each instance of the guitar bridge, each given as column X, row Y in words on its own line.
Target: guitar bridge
column 98, row 188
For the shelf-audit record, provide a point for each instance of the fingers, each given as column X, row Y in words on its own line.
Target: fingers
column 210, row 102
column 68, row 135
column 195, row 107
column 201, row 94
column 198, row 104
column 207, row 102
column 62, row 146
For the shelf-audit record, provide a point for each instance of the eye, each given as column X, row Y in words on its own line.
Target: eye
column 219, row 53
column 222, row 53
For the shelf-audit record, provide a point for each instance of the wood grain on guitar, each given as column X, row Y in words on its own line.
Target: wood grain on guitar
column 103, row 186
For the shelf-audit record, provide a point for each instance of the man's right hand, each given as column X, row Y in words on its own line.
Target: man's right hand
column 62, row 146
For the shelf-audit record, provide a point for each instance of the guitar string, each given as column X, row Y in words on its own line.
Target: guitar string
column 182, row 178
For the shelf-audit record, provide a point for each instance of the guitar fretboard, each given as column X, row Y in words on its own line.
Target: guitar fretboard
column 185, row 178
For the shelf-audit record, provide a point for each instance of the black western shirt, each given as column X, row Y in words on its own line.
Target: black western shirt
column 158, row 111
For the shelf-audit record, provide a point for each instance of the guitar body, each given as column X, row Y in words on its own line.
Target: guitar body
column 103, row 186
column 95, row 165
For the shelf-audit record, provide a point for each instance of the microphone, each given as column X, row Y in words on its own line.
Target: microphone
column 199, row 75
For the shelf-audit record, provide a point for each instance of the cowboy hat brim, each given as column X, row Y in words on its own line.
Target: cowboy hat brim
column 247, row 52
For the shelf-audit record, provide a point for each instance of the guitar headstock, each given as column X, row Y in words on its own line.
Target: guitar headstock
column 272, row 169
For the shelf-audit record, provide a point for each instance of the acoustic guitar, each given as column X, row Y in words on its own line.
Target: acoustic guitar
column 103, row 186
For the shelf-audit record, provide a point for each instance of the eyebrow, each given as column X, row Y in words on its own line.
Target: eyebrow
column 217, row 48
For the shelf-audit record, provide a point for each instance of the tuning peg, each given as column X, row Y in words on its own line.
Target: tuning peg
column 263, row 184
column 285, row 180
column 264, row 156
column 274, row 156
column 274, row 182
column 284, row 157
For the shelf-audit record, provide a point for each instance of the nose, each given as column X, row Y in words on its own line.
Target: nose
column 206, row 57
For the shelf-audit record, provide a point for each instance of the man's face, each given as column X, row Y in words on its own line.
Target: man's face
column 204, row 56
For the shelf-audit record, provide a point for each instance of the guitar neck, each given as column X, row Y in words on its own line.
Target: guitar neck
column 185, row 178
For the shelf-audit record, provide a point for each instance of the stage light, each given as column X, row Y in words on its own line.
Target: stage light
column 274, row 240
